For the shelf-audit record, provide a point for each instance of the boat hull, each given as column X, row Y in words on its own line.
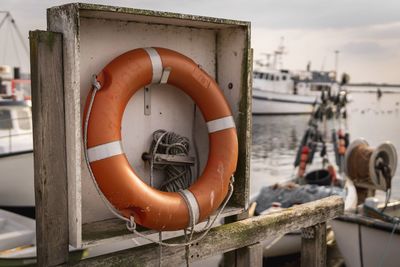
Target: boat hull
column 288, row 244
column 17, row 188
column 271, row 103
column 291, row 242
column 375, row 246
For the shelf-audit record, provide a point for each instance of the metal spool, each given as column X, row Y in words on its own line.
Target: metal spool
column 363, row 164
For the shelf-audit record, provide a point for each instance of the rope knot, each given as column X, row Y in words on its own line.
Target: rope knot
column 131, row 224
column 95, row 83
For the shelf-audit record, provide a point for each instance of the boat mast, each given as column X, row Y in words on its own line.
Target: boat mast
column 336, row 63
column 277, row 63
column 16, row 28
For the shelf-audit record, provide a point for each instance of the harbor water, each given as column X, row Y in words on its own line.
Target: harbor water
column 276, row 138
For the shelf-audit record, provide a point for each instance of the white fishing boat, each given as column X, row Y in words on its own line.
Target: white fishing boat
column 277, row 91
column 274, row 93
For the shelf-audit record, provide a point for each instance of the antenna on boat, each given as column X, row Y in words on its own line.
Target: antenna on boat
column 277, row 63
column 266, row 62
column 323, row 63
column 276, row 57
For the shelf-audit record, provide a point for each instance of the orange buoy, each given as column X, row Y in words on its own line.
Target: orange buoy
column 342, row 143
column 116, row 179
column 303, row 161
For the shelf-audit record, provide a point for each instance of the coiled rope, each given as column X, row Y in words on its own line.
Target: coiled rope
column 178, row 177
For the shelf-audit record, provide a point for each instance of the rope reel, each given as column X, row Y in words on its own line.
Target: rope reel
column 370, row 167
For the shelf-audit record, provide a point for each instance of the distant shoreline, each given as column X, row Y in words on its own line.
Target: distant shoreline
column 374, row 85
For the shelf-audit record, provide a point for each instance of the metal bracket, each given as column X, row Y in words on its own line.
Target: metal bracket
column 169, row 159
column 147, row 101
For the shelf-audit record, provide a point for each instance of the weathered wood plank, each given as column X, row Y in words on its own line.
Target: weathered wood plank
column 250, row 256
column 313, row 246
column 65, row 19
column 229, row 236
column 111, row 230
column 49, row 148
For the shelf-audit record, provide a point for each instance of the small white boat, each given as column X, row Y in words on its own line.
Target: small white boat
column 16, row 142
column 17, row 191
column 18, row 241
column 291, row 242
column 370, row 234
column 365, row 241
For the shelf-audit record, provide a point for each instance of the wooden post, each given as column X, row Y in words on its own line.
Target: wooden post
column 250, row 256
column 49, row 148
column 313, row 246
column 245, row 255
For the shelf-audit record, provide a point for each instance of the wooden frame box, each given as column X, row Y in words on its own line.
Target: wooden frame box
column 92, row 36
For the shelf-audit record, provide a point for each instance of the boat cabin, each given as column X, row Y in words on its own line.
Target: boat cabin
column 273, row 80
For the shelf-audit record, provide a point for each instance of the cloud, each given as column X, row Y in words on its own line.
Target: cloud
column 364, row 48
column 294, row 14
column 365, row 32
column 381, row 32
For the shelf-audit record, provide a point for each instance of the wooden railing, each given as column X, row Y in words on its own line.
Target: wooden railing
column 243, row 237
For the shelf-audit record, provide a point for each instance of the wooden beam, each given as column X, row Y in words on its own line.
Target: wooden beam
column 49, row 148
column 227, row 237
column 313, row 246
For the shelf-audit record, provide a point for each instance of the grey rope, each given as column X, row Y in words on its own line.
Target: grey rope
column 130, row 223
column 191, row 223
column 178, row 176
column 96, row 87
column 160, row 249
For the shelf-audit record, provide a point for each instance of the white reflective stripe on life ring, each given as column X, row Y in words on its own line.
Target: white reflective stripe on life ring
column 156, row 63
column 104, row 151
column 193, row 204
column 221, row 124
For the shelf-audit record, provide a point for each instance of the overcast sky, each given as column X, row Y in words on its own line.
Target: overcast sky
column 367, row 33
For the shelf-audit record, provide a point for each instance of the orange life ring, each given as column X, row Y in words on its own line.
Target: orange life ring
column 118, row 182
